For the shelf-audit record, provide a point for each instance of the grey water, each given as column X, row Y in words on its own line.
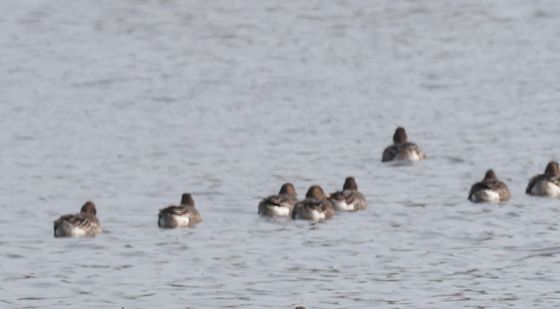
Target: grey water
column 131, row 103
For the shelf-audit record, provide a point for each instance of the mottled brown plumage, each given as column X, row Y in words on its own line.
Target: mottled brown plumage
column 84, row 223
column 316, row 206
column 183, row 215
column 402, row 149
column 281, row 204
column 547, row 184
column 349, row 199
column 489, row 189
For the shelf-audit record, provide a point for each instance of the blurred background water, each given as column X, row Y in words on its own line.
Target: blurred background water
column 131, row 103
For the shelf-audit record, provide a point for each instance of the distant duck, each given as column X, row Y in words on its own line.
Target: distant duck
column 547, row 184
column 316, row 206
column 184, row 215
column 402, row 149
column 83, row 224
column 280, row 205
column 349, row 199
column 489, row 189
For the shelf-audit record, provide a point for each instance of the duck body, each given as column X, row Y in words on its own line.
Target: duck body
column 178, row 216
column 489, row 190
column 547, row 184
column 84, row 223
column 546, row 187
column 277, row 206
column 402, row 149
column 184, row 215
column 349, row 199
column 280, row 205
column 403, row 152
column 315, row 207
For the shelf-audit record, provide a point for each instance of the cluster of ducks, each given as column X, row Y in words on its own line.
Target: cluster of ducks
column 318, row 206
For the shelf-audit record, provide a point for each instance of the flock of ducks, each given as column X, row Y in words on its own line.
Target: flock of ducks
column 318, row 206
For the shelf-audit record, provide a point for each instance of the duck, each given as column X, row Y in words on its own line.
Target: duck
column 489, row 189
column 402, row 149
column 84, row 223
column 547, row 184
column 184, row 215
column 316, row 206
column 349, row 199
column 280, row 205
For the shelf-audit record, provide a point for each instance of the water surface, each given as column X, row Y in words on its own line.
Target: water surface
column 132, row 103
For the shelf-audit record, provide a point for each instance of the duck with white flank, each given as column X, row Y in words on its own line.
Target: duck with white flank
column 349, row 199
column 280, row 205
column 316, row 206
column 184, row 215
column 547, row 184
column 83, row 224
column 402, row 149
column 489, row 189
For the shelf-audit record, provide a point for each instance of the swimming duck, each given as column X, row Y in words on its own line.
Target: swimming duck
column 76, row 225
column 489, row 189
column 184, row 215
column 402, row 149
column 280, row 205
column 349, row 199
column 316, row 206
column 547, row 184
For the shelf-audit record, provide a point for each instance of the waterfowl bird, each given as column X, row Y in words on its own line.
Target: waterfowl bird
column 280, row 205
column 402, row 149
column 349, row 199
column 316, row 206
column 489, row 189
column 184, row 215
column 76, row 225
column 547, row 184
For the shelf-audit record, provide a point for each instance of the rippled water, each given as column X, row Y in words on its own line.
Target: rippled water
column 131, row 103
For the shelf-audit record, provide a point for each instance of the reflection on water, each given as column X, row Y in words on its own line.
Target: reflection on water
column 130, row 104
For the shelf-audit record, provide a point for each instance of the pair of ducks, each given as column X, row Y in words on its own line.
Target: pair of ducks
column 86, row 223
column 491, row 190
column 317, row 206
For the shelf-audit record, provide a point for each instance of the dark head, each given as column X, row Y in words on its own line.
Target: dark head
column 186, row 199
column 300, row 307
column 288, row 188
column 400, row 136
column 350, row 184
column 552, row 169
column 315, row 192
column 490, row 175
column 89, row 208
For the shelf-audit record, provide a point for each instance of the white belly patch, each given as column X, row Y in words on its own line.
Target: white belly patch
column 486, row 196
column 181, row 220
column 343, row 206
column 546, row 188
column 409, row 155
column 317, row 216
column 65, row 230
column 279, row 210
